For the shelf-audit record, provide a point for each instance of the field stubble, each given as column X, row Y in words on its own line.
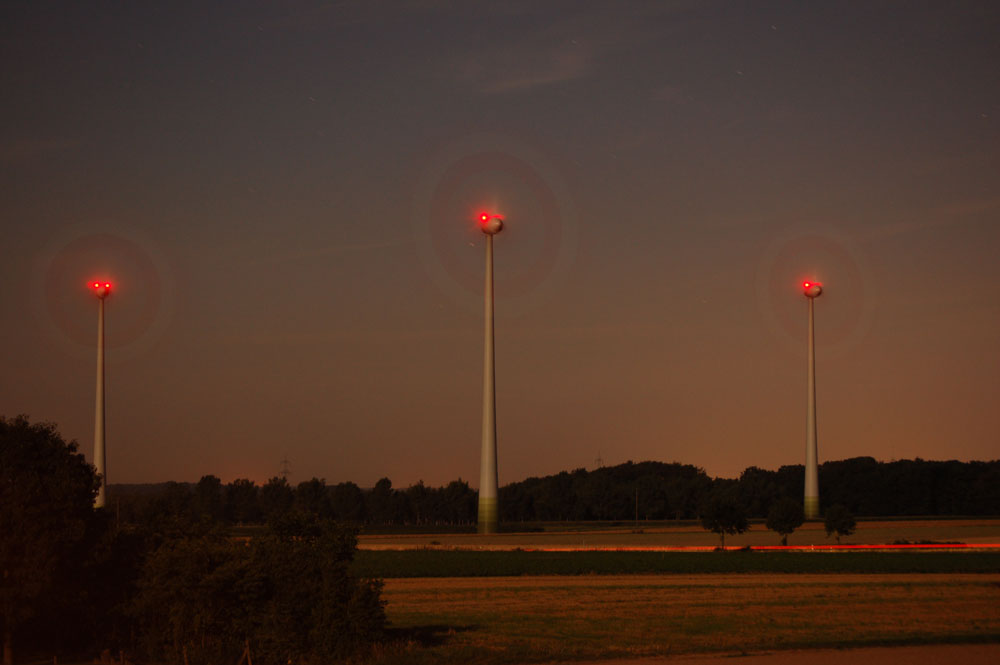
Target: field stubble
column 533, row 619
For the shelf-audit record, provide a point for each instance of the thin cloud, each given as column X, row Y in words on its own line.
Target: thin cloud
column 569, row 46
column 516, row 71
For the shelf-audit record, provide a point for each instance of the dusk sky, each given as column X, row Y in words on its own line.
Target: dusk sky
column 284, row 195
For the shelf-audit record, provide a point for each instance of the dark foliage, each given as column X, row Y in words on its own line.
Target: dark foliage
column 786, row 515
column 839, row 520
column 665, row 491
column 288, row 593
column 276, row 498
column 172, row 582
column 48, row 526
column 723, row 513
column 645, row 490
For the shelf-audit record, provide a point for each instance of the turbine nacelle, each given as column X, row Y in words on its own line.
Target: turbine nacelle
column 101, row 289
column 490, row 224
column 812, row 289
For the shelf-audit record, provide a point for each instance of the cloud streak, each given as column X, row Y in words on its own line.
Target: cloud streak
column 517, row 70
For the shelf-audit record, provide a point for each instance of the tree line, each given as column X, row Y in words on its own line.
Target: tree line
column 643, row 490
column 672, row 491
column 243, row 502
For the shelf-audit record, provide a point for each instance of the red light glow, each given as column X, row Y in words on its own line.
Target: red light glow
column 767, row 548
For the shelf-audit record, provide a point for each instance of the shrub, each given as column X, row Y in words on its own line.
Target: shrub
column 288, row 594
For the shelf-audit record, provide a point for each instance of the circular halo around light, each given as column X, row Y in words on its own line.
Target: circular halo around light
column 500, row 176
column 139, row 307
column 845, row 313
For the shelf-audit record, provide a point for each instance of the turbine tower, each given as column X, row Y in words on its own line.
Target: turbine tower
column 812, row 291
column 101, row 290
column 490, row 225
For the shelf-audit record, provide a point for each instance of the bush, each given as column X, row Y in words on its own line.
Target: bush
column 288, row 594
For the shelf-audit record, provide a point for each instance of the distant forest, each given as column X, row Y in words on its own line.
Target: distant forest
column 644, row 491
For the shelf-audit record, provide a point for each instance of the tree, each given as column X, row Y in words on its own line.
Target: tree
column 276, row 498
column 380, row 506
column 47, row 492
column 458, row 503
column 208, row 499
column 839, row 520
column 242, row 503
column 347, row 502
column 786, row 515
column 758, row 490
column 311, row 497
column 723, row 513
column 422, row 502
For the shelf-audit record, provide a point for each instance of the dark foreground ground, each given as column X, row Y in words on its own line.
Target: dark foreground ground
column 964, row 654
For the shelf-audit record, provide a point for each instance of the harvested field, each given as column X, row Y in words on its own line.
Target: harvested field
column 506, row 563
column 534, row 619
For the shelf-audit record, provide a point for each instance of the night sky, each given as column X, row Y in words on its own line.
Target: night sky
column 284, row 195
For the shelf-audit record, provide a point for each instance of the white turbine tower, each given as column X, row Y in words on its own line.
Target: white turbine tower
column 101, row 290
column 812, row 291
column 488, row 508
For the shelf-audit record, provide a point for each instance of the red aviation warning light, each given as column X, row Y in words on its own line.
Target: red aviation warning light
column 101, row 289
column 490, row 224
column 812, row 289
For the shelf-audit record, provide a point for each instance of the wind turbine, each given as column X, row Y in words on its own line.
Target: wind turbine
column 812, row 290
column 487, row 520
column 102, row 290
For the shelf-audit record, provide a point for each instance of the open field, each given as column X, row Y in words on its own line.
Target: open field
column 691, row 534
column 535, row 619
column 529, row 597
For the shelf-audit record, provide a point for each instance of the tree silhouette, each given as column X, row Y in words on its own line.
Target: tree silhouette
column 839, row 520
column 786, row 515
column 276, row 498
column 723, row 513
column 47, row 491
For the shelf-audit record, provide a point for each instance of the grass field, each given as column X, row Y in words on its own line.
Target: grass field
column 505, row 620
